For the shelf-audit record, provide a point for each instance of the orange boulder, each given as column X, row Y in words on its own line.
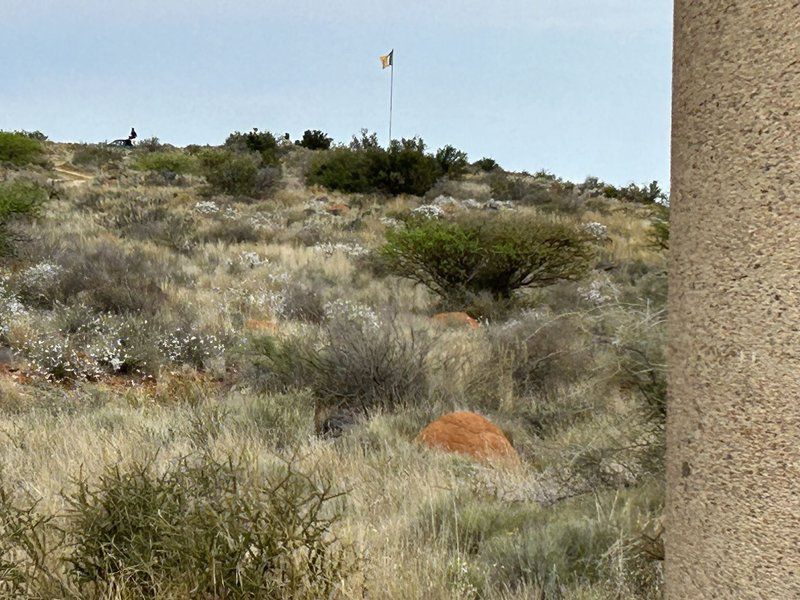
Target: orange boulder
column 471, row 434
column 456, row 319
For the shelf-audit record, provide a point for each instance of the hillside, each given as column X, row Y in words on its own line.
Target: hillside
column 223, row 356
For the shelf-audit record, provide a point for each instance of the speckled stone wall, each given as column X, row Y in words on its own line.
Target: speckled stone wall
column 733, row 424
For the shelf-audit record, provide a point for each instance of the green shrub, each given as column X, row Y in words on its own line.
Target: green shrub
column 263, row 143
column 166, row 162
column 97, row 155
column 645, row 194
column 315, row 140
column 499, row 255
column 18, row 198
column 34, row 135
column 452, row 162
column 364, row 140
column 404, row 168
column 486, row 164
column 20, row 149
column 344, row 170
column 208, row 528
column 201, row 528
column 238, row 174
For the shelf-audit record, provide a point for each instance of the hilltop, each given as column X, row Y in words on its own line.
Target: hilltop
column 242, row 338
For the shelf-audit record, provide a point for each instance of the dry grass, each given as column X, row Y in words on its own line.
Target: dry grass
column 588, row 486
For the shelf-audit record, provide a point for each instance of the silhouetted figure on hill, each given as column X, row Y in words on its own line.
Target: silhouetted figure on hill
column 132, row 136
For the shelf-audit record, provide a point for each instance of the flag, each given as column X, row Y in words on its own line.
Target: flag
column 387, row 60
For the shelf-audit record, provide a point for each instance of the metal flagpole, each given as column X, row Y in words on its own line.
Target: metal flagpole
column 391, row 97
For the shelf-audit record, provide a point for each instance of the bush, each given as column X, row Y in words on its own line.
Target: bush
column 238, row 174
column 645, row 194
column 486, row 164
column 20, row 149
column 96, row 156
column 358, row 363
column 452, row 162
column 404, row 168
column 34, row 135
column 521, row 190
column 18, row 198
column 202, row 528
column 108, row 277
column 166, row 162
column 315, row 140
column 260, row 142
column 499, row 255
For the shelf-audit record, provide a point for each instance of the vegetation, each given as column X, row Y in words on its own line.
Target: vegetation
column 18, row 198
column 20, row 148
column 498, row 255
column 315, row 140
column 238, row 174
column 405, row 168
column 211, row 384
column 166, row 162
column 204, row 527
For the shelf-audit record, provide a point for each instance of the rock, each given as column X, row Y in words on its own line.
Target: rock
column 471, row 203
column 456, row 319
column 470, row 434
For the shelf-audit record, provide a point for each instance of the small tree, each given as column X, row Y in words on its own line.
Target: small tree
column 262, row 142
column 500, row 255
column 452, row 161
column 486, row 164
column 17, row 198
column 315, row 140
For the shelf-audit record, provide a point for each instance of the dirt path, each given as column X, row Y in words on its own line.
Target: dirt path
column 72, row 175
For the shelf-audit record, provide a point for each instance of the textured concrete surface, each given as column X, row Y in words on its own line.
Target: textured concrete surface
column 733, row 424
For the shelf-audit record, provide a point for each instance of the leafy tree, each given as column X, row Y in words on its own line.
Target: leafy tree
column 500, row 255
column 315, row 140
column 262, row 142
column 452, row 162
column 486, row 164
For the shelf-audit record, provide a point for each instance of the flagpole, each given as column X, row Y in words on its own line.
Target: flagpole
column 391, row 98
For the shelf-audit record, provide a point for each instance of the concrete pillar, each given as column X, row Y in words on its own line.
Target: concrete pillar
column 733, row 422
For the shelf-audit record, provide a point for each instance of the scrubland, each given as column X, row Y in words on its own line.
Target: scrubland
column 214, row 363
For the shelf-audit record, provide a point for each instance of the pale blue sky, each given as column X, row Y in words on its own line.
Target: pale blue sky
column 579, row 87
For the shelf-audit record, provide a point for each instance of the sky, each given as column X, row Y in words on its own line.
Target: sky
column 577, row 87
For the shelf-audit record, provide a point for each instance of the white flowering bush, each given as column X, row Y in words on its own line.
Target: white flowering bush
column 596, row 229
column 252, row 259
column 431, row 211
column 207, row 207
column 599, row 292
column 351, row 250
column 187, row 346
column 391, row 222
column 345, row 310
column 37, row 282
column 10, row 308
column 60, row 358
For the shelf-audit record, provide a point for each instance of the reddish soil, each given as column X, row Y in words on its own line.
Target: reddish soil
column 470, row 434
column 456, row 319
